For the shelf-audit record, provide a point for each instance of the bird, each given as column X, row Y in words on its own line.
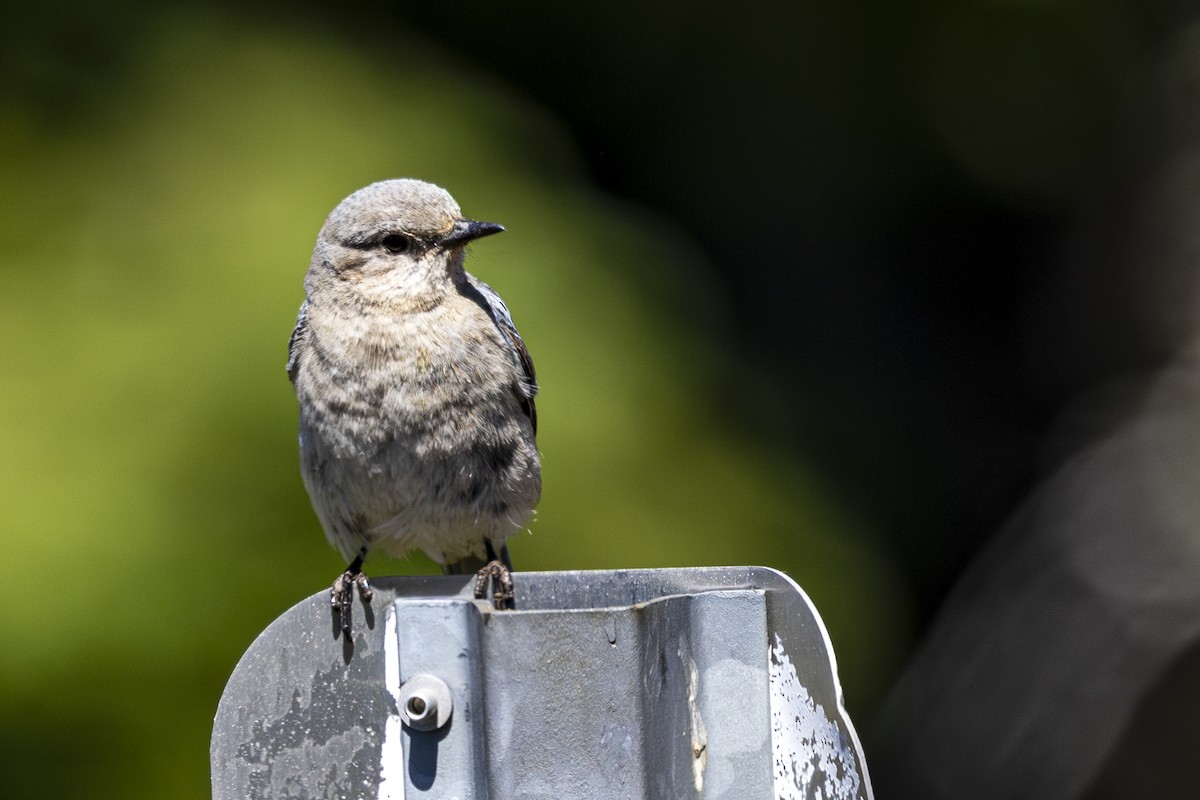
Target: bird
column 416, row 393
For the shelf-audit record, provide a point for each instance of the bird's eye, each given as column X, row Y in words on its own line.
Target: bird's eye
column 395, row 243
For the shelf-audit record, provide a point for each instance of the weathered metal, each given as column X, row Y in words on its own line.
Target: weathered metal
column 678, row 683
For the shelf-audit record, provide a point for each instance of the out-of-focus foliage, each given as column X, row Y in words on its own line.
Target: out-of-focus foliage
column 153, row 244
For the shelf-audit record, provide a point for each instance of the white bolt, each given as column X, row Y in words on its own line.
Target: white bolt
column 425, row 702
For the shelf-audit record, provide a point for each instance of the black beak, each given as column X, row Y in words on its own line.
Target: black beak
column 466, row 230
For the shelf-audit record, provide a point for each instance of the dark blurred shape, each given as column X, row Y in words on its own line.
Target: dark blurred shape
column 879, row 186
column 1021, row 95
column 1157, row 745
column 1062, row 663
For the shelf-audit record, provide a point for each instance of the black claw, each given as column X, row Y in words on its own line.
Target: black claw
column 341, row 594
column 500, row 577
column 364, row 588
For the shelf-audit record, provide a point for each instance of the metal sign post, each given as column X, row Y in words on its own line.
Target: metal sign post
column 678, row 683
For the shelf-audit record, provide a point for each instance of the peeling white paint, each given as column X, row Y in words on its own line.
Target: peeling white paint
column 812, row 758
column 735, row 696
column 391, row 761
column 699, row 735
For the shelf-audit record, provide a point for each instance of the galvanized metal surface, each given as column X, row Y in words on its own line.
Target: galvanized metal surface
column 680, row 683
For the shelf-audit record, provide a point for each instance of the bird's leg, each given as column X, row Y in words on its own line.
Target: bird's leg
column 498, row 572
column 341, row 594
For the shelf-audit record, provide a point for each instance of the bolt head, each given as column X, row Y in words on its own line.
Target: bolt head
column 425, row 702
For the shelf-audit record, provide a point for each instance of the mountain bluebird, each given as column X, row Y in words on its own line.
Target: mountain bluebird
column 416, row 392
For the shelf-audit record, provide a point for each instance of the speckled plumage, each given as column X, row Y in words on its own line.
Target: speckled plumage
column 416, row 393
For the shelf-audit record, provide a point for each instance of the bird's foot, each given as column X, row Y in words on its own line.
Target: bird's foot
column 500, row 577
column 341, row 594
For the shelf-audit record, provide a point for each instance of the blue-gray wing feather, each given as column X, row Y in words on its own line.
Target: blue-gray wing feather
column 296, row 342
column 527, row 388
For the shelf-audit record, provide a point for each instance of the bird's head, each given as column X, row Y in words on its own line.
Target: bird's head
column 394, row 240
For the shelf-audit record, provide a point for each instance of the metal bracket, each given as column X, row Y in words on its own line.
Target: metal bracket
column 690, row 683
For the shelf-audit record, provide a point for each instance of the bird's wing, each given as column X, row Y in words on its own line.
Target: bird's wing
column 527, row 389
column 296, row 342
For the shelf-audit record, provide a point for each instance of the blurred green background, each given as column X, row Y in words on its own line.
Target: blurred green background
column 773, row 266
